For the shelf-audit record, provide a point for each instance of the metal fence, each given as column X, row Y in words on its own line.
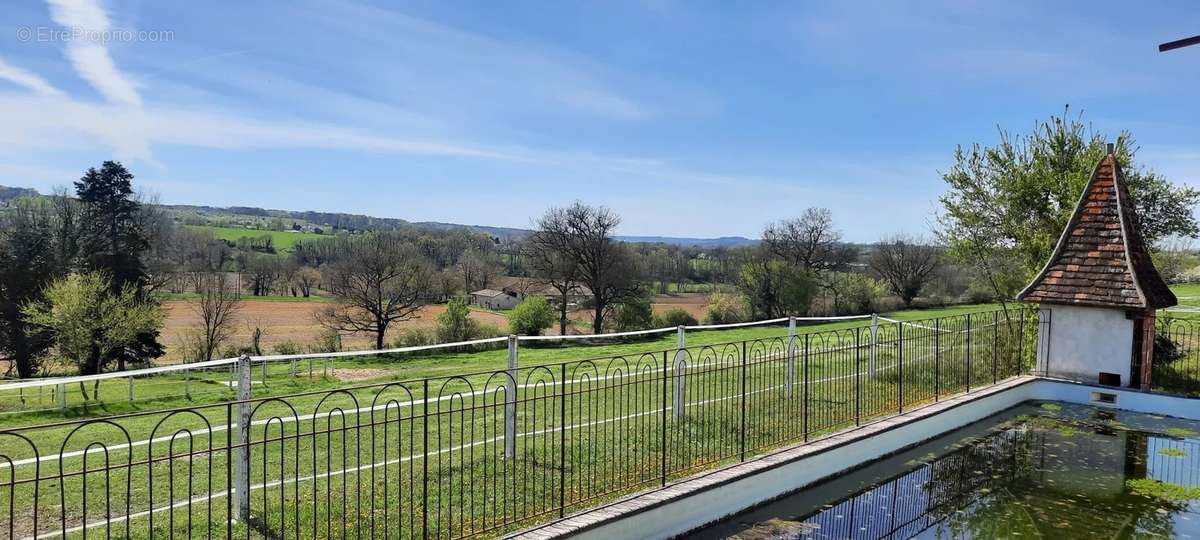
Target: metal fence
column 482, row 453
column 216, row 380
column 1176, row 366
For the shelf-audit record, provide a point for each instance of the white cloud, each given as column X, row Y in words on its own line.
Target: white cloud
column 91, row 58
column 600, row 103
column 27, row 79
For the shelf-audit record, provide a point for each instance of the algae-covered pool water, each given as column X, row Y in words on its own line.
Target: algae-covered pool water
column 1046, row 470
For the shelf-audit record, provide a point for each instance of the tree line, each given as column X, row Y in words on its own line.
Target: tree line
column 80, row 271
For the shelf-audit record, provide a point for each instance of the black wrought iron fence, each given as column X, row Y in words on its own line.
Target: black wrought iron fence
column 482, row 453
column 1176, row 366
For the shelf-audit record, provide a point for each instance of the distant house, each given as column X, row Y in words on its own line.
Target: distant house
column 524, row 288
column 493, row 299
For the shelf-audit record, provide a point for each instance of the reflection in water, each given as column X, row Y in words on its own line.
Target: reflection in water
column 1045, row 474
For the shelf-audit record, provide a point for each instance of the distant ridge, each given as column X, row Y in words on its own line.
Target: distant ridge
column 723, row 241
column 364, row 222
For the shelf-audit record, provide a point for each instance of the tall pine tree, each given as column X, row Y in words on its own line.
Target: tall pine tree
column 113, row 241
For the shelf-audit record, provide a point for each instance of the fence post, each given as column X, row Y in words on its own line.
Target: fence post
column 62, row 396
column 937, row 359
column 242, row 488
column 742, row 419
column 900, row 363
column 806, row 336
column 131, row 389
column 264, row 373
column 510, row 401
column 663, row 457
column 874, row 342
column 857, row 377
column 562, row 442
column 791, row 358
column 1020, row 344
column 187, row 383
column 680, row 371
column 425, row 460
column 293, row 368
column 995, row 345
column 968, row 353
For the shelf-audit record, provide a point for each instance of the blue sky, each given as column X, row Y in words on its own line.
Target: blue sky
column 687, row 118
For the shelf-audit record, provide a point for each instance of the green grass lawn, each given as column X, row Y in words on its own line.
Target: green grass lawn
column 168, row 391
column 370, row 471
column 283, row 240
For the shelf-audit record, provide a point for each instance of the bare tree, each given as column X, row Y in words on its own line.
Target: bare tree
column 810, row 241
column 583, row 235
column 306, row 279
column 554, row 268
column 905, row 264
column 262, row 272
column 478, row 268
column 378, row 280
column 217, row 306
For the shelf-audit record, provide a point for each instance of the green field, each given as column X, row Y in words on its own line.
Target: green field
column 283, row 240
column 176, row 390
column 365, row 468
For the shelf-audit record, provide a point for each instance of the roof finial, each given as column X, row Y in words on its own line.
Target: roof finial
column 1111, row 147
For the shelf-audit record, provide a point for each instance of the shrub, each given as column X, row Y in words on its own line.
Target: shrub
column 328, row 341
column 456, row 324
column 633, row 315
column 674, row 317
column 415, row 337
column 724, row 309
column 287, row 347
column 531, row 316
column 860, row 294
column 237, row 351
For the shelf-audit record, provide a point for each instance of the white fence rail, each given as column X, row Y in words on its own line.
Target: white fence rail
column 36, row 389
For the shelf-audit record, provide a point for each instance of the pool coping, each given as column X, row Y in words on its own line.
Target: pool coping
column 629, row 506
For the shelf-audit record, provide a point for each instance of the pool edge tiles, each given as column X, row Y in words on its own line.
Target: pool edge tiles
column 711, row 496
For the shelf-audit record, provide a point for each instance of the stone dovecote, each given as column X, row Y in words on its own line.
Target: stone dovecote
column 1100, row 259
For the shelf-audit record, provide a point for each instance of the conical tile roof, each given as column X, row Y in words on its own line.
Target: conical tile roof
column 1100, row 259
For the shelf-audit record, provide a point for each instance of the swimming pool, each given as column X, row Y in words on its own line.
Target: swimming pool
column 1048, row 470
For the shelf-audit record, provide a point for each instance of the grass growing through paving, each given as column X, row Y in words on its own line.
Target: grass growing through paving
column 613, row 441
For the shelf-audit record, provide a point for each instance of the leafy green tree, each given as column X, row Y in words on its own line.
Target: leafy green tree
column 27, row 263
column 456, row 324
column 1007, row 204
column 89, row 323
column 633, row 314
column 774, row 288
column 861, row 294
column 725, row 309
column 531, row 316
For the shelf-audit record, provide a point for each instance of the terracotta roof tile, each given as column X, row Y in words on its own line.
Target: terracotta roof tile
column 1100, row 259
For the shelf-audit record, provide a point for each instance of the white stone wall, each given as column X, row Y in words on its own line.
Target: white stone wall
column 1085, row 341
